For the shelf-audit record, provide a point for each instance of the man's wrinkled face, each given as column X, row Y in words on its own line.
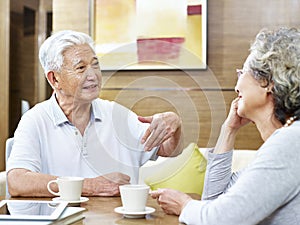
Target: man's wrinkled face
column 80, row 76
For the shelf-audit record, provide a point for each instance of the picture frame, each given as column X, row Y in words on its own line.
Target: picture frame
column 150, row 35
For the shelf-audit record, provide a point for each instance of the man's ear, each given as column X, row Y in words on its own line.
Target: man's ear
column 51, row 77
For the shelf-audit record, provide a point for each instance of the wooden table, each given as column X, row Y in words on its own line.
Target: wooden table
column 100, row 210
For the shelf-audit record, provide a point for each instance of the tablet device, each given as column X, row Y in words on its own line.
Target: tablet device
column 31, row 209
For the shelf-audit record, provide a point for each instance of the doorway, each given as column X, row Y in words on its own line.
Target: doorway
column 30, row 24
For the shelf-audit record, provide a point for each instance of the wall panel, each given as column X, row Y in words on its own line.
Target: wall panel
column 232, row 24
column 4, row 76
column 23, row 58
column 72, row 15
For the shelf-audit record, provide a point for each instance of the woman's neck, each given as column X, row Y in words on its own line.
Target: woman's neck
column 267, row 127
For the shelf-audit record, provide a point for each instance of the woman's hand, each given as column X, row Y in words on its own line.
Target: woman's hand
column 229, row 129
column 233, row 120
column 171, row 201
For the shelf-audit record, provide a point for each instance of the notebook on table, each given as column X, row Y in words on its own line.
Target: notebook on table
column 13, row 212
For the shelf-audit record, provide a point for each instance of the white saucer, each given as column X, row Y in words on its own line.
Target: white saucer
column 82, row 199
column 121, row 210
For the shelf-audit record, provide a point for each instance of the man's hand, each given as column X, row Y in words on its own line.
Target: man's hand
column 162, row 127
column 106, row 185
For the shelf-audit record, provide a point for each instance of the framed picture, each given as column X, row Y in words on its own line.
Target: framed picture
column 150, row 34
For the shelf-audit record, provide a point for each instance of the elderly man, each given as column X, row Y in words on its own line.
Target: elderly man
column 74, row 133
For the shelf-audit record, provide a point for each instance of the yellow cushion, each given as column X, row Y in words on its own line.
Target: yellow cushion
column 184, row 173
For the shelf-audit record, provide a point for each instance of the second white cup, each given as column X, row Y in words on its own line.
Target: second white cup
column 134, row 197
column 70, row 188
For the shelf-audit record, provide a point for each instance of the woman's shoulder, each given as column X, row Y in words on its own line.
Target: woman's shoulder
column 292, row 131
column 285, row 138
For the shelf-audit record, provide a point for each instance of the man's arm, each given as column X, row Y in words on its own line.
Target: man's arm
column 25, row 183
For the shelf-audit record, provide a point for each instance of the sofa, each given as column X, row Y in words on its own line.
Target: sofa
column 186, row 172
column 241, row 158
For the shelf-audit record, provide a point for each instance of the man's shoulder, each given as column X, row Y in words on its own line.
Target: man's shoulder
column 40, row 107
column 110, row 107
column 102, row 101
column 102, row 104
column 106, row 104
column 41, row 111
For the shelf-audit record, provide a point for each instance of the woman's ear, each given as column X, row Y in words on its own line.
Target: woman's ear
column 269, row 88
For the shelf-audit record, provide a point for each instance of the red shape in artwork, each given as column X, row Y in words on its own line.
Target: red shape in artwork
column 159, row 49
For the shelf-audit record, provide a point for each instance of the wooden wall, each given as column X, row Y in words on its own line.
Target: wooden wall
column 4, row 76
column 22, row 61
column 19, row 70
column 73, row 15
column 26, row 80
column 202, row 98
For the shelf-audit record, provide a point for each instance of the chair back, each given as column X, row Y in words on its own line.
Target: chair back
column 8, row 147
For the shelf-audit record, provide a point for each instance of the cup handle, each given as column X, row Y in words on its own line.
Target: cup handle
column 49, row 188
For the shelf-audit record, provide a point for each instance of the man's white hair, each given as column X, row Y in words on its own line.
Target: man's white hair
column 52, row 50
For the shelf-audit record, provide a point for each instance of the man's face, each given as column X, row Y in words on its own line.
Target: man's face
column 80, row 76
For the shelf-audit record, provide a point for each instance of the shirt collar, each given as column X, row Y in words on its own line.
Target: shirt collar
column 95, row 114
column 58, row 115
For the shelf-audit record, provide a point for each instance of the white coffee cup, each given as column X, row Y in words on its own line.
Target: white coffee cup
column 134, row 197
column 69, row 188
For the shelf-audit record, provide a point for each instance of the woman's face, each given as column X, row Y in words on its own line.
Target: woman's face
column 80, row 76
column 252, row 96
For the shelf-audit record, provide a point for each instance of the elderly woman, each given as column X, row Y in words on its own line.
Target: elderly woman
column 268, row 190
column 75, row 133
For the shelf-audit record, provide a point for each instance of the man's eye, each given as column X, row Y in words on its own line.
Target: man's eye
column 95, row 64
column 80, row 68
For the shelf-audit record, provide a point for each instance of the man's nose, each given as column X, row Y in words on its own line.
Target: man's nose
column 90, row 73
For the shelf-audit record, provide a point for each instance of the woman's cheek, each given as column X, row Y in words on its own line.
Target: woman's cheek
column 240, row 108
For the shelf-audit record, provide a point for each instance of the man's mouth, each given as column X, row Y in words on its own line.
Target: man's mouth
column 91, row 86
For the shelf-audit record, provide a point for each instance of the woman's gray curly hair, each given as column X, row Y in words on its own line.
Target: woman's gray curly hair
column 276, row 61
